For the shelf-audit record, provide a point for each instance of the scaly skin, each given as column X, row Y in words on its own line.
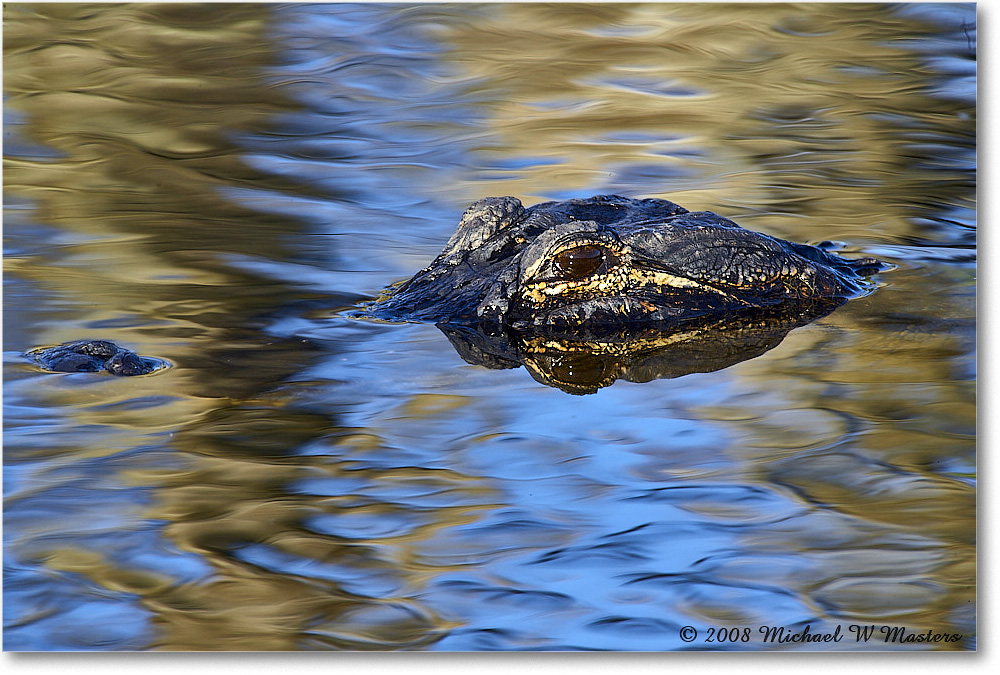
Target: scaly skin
column 610, row 261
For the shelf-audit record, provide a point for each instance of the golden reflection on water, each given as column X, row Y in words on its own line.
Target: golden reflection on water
column 780, row 110
column 786, row 116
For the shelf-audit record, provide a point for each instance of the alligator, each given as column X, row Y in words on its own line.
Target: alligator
column 607, row 262
column 617, row 278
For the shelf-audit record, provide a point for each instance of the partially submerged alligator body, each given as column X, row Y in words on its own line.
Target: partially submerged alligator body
column 607, row 262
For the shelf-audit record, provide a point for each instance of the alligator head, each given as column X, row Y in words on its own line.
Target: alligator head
column 609, row 261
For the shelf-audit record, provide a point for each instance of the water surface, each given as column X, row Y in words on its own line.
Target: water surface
column 217, row 185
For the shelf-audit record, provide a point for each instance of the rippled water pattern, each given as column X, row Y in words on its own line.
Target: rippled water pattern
column 214, row 185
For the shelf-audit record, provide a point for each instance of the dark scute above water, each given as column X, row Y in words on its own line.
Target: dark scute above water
column 92, row 356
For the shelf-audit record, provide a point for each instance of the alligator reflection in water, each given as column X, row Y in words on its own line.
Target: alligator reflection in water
column 584, row 362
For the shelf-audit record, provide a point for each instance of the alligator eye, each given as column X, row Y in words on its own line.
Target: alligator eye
column 580, row 261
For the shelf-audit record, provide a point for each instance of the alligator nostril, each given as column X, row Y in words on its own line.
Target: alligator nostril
column 580, row 261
